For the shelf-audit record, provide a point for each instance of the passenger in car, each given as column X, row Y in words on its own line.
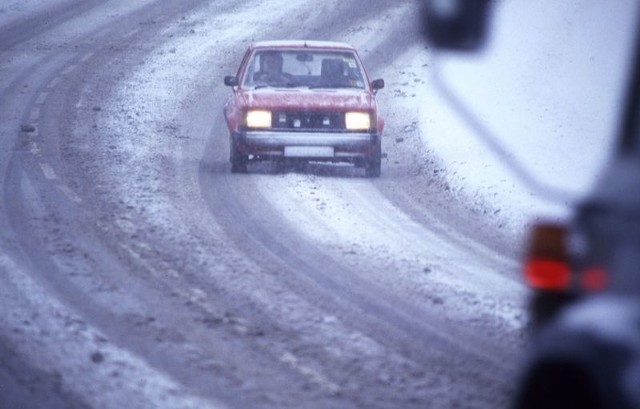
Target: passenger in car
column 332, row 73
column 271, row 69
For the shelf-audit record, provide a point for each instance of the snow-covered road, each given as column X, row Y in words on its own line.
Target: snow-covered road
column 137, row 269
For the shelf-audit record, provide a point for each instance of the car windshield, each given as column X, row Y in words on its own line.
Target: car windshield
column 304, row 68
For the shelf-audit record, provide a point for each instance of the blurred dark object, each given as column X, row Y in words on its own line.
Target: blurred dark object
column 585, row 281
column 589, row 358
column 585, row 275
column 456, row 24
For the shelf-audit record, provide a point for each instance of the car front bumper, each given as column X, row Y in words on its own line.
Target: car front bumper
column 319, row 145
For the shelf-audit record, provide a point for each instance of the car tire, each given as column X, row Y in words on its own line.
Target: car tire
column 373, row 166
column 238, row 160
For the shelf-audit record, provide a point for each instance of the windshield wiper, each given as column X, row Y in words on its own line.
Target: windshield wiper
column 285, row 85
column 333, row 86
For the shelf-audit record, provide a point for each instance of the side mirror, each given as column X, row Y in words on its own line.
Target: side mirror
column 231, row 81
column 377, row 84
column 456, row 24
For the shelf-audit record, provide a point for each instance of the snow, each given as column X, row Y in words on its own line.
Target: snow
column 525, row 89
column 136, row 378
column 547, row 88
column 382, row 244
column 550, row 101
column 17, row 9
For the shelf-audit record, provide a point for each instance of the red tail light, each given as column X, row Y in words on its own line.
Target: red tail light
column 547, row 265
column 548, row 274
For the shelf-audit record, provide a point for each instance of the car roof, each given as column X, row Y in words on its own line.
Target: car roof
column 301, row 44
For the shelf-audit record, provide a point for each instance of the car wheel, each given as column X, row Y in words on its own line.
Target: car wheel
column 238, row 160
column 373, row 166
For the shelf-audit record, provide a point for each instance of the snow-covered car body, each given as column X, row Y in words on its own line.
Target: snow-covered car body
column 319, row 106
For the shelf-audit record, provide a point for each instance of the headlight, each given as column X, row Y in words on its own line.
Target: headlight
column 259, row 119
column 357, row 121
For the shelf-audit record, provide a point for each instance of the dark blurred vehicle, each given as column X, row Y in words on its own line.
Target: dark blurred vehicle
column 585, row 276
column 304, row 101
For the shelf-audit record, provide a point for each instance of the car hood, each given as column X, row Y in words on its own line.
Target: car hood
column 307, row 99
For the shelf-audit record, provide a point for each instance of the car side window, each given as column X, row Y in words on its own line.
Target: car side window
column 252, row 69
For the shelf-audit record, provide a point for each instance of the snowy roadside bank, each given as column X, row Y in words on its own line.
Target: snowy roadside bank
column 548, row 88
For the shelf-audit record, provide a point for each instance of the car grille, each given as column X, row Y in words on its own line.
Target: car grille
column 308, row 121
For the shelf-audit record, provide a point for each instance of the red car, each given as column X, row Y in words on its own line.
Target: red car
column 303, row 100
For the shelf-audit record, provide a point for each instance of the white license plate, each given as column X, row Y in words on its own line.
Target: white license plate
column 308, row 151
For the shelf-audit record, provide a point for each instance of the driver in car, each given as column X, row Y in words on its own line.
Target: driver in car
column 271, row 69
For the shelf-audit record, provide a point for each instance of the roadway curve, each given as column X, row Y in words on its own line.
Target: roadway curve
column 138, row 272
